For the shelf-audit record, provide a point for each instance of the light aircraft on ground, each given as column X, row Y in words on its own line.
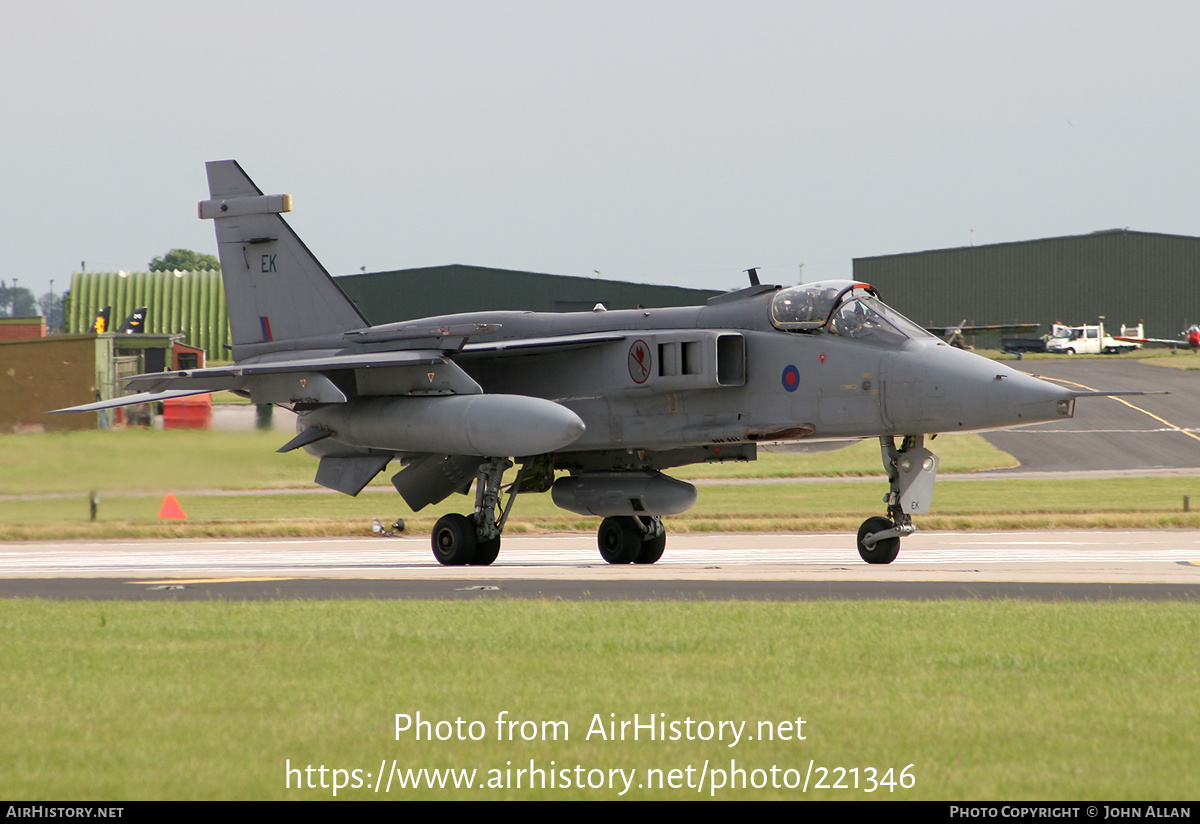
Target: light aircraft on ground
column 956, row 335
column 592, row 405
column 1189, row 338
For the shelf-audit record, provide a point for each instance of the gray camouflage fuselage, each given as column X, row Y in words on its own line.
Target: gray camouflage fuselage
column 844, row 389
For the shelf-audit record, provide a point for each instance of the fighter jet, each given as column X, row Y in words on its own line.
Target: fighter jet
column 100, row 324
column 135, row 323
column 593, row 406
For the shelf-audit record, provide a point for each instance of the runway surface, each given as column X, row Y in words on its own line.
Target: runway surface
column 1053, row 564
column 1153, row 432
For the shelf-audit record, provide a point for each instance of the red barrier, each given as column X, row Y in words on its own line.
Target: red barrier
column 192, row 412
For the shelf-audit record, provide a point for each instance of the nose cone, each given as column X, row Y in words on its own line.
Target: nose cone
column 937, row 388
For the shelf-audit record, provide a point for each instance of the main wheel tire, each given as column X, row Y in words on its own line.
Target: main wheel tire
column 486, row 551
column 884, row 551
column 652, row 549
column 620, row 540
column 453, row 538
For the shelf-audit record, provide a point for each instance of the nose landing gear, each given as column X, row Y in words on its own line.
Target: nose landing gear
column 912, row 472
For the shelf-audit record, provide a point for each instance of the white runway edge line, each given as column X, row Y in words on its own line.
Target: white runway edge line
column 1032, row 431
column 369, row 557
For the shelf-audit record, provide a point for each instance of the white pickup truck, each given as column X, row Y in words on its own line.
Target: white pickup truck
column 1090, row 340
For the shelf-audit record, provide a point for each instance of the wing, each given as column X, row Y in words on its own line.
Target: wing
column 1010, row 329
column 130, row 400
column 1002, row 329
column 306, row 380
column 1159, row 341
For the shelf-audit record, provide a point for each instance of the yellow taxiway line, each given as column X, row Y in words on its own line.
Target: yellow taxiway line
column 1164, row 421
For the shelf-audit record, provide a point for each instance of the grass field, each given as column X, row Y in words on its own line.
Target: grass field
column 49, row 478
column 1148, row 353
column 986, row 700
column 152, row 460
column 794, row 507
column 1185, row 360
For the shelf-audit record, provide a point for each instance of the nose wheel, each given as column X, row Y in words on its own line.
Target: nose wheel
column 881, row 550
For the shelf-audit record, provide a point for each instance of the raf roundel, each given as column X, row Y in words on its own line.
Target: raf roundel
column 791, row 378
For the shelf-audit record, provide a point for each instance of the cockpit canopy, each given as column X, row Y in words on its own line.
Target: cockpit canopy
column 842, row 307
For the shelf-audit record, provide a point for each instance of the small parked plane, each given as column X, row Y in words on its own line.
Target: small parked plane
column 1190, row 339
column 955, row 335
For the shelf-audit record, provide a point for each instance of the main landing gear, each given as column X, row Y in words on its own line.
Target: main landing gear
column 912, row 471
column 475, row 539
column 632, row 539
column 623, row 539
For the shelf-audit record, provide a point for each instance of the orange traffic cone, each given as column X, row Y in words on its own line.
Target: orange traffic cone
column 171, row 510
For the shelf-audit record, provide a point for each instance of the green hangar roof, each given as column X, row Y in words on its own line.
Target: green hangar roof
column 387, row 297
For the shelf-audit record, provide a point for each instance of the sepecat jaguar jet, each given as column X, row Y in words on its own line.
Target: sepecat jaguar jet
column 593, row 406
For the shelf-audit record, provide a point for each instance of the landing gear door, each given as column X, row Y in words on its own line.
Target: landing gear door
column 918, row 470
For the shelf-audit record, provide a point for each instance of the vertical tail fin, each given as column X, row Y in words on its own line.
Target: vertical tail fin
column 275, row 289
column 135, row 323
column 100, row 324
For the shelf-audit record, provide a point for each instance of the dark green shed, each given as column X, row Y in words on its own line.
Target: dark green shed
column 1123, row 275
column 387, row 297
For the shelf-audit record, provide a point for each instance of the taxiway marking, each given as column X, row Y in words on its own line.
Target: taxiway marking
column 1164, row 421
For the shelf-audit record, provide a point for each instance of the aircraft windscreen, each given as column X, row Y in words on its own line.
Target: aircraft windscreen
column 808, row 307
column 842, row 308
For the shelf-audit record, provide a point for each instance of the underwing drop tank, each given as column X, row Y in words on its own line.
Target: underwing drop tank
column 485, row 425
column 610, row 494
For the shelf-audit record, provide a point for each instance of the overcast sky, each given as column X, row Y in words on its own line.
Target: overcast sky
column 663, row 142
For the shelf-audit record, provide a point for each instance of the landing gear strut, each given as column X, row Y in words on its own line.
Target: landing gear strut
column 632, row 540
column 475, row 539
column 912, row 470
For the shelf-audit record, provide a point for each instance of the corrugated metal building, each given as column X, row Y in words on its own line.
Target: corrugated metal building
column 188, row 303
column 1122, row 275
